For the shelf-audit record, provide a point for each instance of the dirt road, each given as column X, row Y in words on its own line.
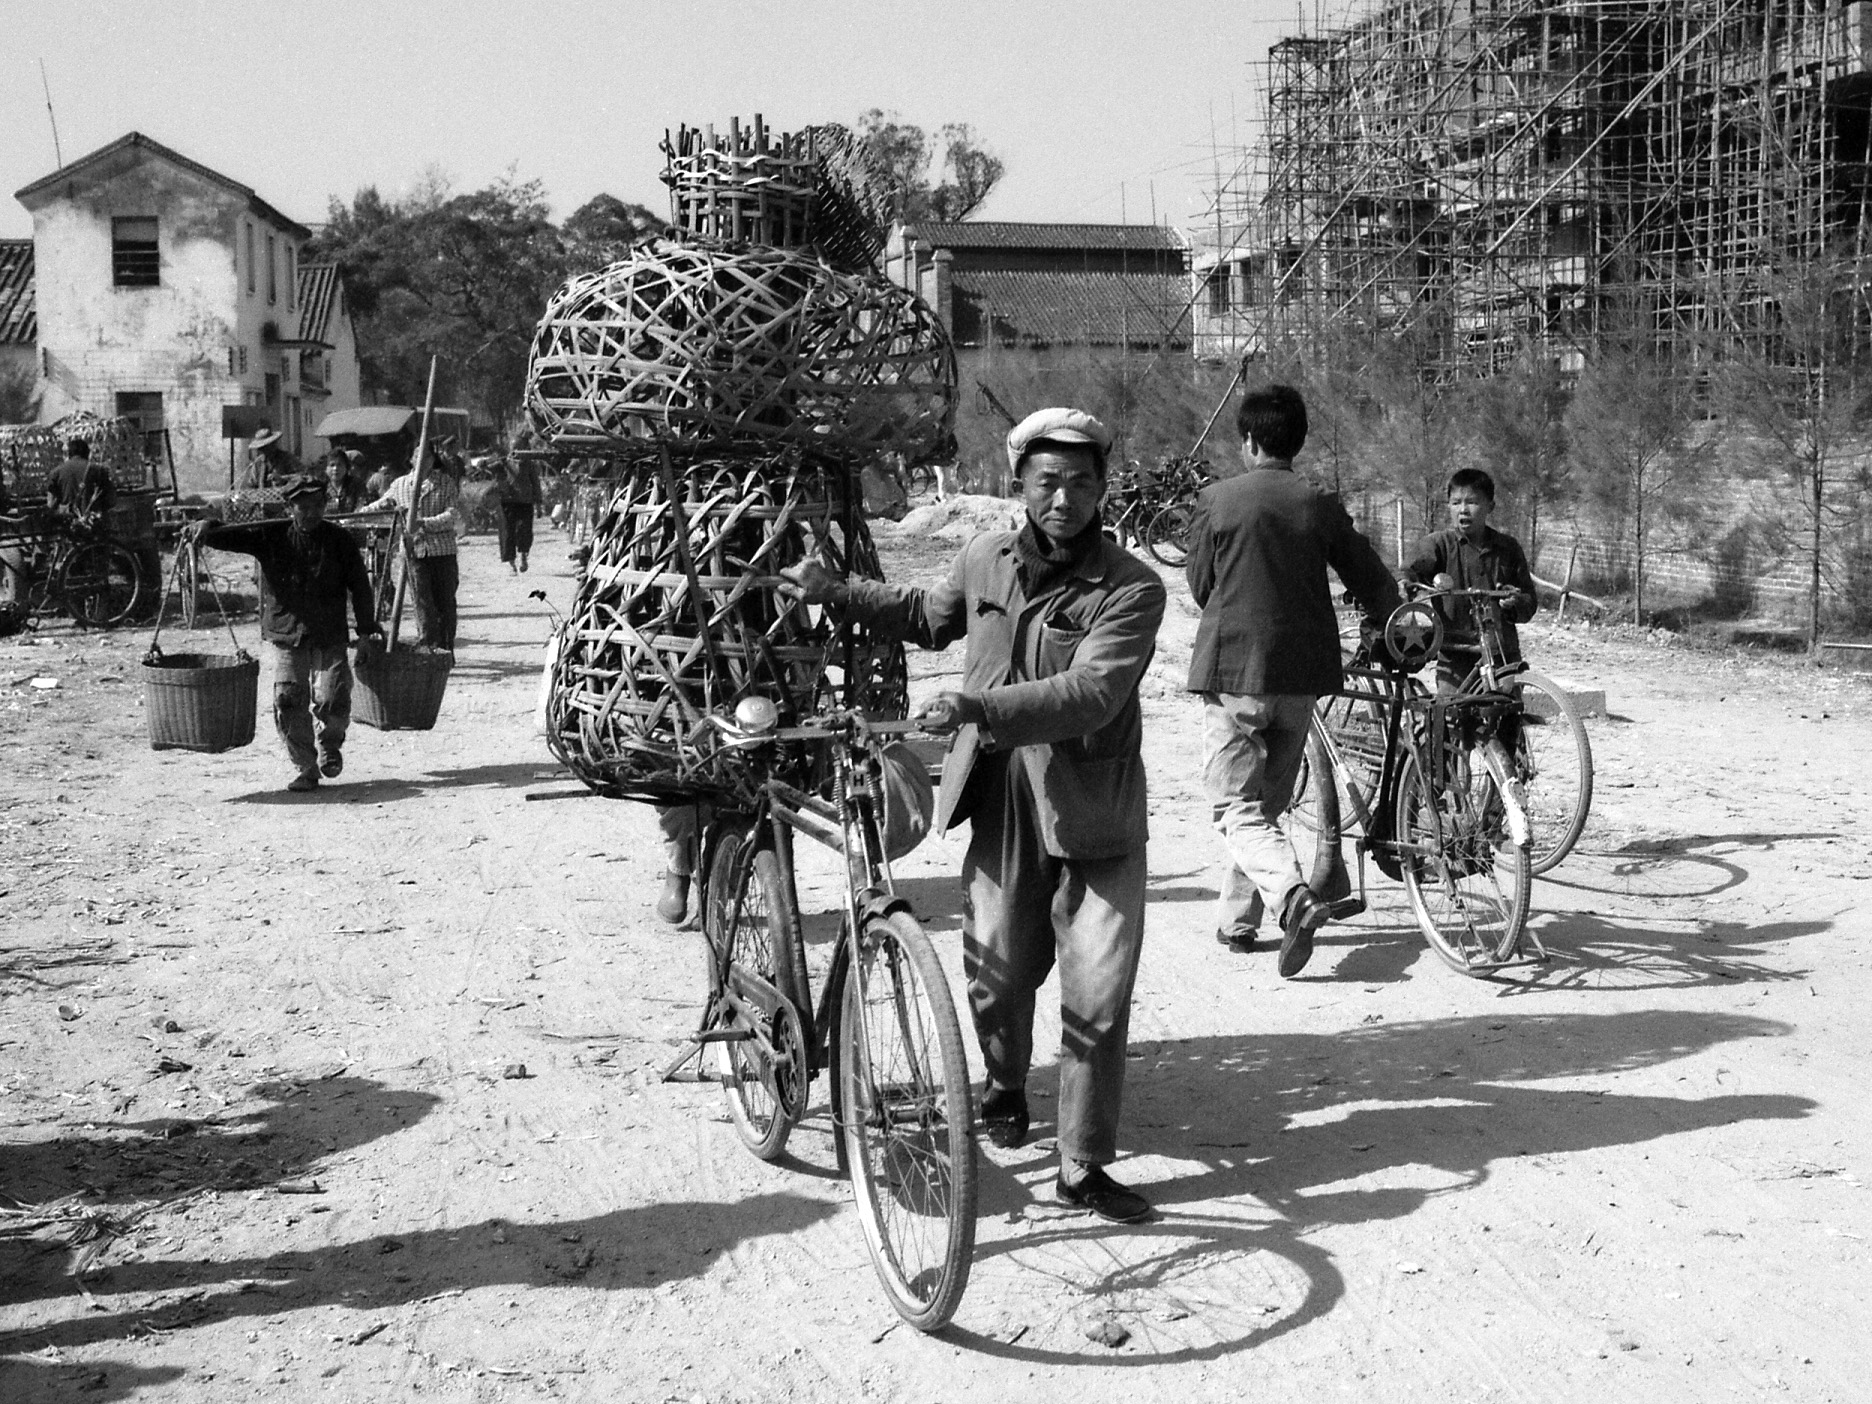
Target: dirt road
column 269, row 1038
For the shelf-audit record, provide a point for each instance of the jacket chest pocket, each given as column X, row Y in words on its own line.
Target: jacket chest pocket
column 1055, row 642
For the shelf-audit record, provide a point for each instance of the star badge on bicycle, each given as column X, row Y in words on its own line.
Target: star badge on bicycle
column 1413, row 633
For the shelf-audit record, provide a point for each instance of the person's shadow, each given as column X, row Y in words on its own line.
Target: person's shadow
column 1283, row 1137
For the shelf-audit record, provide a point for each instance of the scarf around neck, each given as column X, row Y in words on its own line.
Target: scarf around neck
column 1043, row 562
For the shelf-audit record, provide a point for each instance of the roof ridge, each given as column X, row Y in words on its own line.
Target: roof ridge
column 138, row 139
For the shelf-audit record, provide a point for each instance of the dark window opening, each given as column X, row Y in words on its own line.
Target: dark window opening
column 145, row 409
column 135, row 260
column 1218, row 283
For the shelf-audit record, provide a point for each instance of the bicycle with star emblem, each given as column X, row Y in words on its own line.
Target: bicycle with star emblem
column 1425, row 784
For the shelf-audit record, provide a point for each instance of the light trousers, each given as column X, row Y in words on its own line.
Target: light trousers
column 1253, row 746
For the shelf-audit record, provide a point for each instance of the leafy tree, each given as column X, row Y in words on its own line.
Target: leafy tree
column 1806, row 392
column 904, row 154
column 463, row 277
column 1627, row 426
column 603, row 229
column 1517, row 432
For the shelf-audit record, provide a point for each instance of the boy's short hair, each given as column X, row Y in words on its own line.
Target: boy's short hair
column 77, row 448
column 1477, row 478
column 1275, row 418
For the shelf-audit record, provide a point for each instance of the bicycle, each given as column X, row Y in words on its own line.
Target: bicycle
column 52, row 567
column 1548, row 749
column 884, row 1025
column 1155, row 513
column 1454, row 833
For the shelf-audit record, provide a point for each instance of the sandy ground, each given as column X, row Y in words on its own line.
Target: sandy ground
column 1636, row 1174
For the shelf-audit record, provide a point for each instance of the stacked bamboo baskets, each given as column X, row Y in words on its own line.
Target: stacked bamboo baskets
column 730, row 382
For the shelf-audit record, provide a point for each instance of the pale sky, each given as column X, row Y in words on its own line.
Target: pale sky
column 1088, row 104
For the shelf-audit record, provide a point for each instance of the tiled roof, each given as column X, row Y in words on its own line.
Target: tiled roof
column 137, row 139
column 19, row 314
column 1005, row 234
column 318, row 295
column 1099, row 309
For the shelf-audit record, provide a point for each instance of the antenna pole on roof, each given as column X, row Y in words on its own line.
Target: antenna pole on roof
column 57, row 152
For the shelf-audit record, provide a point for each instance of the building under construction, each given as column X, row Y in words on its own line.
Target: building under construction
column 1490, row 175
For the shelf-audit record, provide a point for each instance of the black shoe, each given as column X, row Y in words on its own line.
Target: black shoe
column 1240, row 942
column 1004, row 1115
column 1305, row 915
column 332, row 766
column 1104, row 1196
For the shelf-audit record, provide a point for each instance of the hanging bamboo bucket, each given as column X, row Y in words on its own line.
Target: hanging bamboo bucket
column 200, row 701
column 401, row 690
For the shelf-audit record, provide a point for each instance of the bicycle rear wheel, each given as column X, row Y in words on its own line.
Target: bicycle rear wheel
column 1553, row 761
column 766, row 1093
column 1313, row 817
column 101, row 581
column 1469, row 885
column 908, row 1121
column 1167, row 535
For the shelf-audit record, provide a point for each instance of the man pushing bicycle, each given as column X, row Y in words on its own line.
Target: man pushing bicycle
column 1046, row 764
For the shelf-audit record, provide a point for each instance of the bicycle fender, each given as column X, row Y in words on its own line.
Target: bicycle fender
column 879, row 905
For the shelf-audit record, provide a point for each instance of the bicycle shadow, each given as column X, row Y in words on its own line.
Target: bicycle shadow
column 1291, row 1135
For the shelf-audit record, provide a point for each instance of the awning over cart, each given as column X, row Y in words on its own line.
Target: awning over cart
column 372, row 419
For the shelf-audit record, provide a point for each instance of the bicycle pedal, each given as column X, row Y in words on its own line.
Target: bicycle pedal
column 1345, row 908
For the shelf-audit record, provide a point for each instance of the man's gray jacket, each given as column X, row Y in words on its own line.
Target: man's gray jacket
column 1057, row 675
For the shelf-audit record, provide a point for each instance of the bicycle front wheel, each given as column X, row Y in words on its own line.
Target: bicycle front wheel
column 1553, row 761
column 908, row 1120
column 1469, row 884
column 1167, row 535
column 766, row 1092
column 101, row 581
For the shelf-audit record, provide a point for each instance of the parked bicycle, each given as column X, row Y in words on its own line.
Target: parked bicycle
column 49, row 566
column 1442, row 816
column 1153, row 510
column 884, row 1024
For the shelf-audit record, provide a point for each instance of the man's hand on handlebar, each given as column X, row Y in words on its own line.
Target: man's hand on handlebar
column 950, row 711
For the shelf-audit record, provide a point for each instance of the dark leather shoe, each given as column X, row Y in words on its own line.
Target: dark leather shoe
column 1004, row 1115
column 1104, row 1196
column 1240, row 942
column 331, row 766
column 673, row 905
column 1305, row 915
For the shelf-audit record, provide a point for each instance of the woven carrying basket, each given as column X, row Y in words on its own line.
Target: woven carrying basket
column 642, row 660
column 200, row 701
column 401, row 690
column 688, row 344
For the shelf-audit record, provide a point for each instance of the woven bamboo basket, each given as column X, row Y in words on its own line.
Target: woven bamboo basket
column 748, row 350
column 400, row 690
column 822, row 188
column 644, row 658
column 200, row 701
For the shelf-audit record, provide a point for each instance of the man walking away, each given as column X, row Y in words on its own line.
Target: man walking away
column 1267, row 647
column 308, row 568
column 79, row 490
column 517, row 482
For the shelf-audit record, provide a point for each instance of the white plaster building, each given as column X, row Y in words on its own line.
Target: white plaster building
column 165, row 291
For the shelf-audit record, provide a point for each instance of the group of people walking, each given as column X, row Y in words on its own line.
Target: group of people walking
column 310, row 569
column 1046, row 757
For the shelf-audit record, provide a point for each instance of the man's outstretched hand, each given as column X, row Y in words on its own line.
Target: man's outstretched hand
column 950, row 711
column 812, row 582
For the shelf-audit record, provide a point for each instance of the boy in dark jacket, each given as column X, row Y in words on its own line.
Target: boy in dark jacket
column 1475, row 556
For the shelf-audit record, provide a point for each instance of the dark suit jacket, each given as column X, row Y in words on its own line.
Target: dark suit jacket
column 1259, row 548
column 1058, row 676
